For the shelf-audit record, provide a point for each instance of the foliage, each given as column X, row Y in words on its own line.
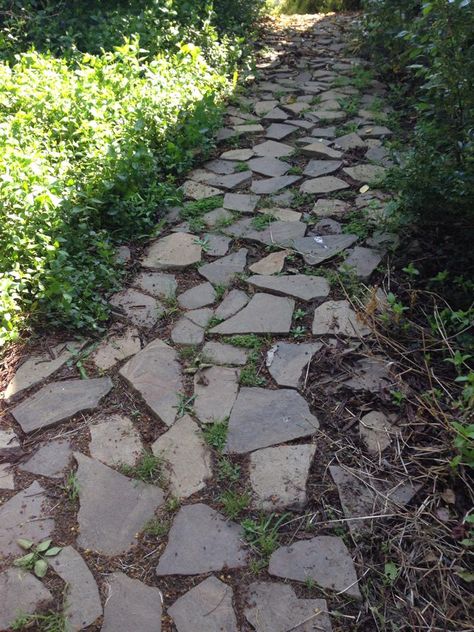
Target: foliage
column 233, row 502
column 317, row 6
column 215, row 434
column 263, row 534
column 48, row 622
column 35, row 559
column 149, row 469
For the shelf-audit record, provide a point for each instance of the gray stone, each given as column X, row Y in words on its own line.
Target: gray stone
column 222, row 167
column 319, row 248
column 222, row 354
column 327, row 208
column 232, row 303
column 323, row 132
column 238, row 154
column 201, row 316
column 262, row 417
column 216, row 245
column 201, row 540
column 158, row 284
column 25, row 515
column 131, row 605
column 271, row 264
column 59, row 401
column 113, row 508
column 325, row 184
column 306, row 125
column 215, row 390
column 271, row 167
column 116, row 347
column 300, row 286
column 123, row 254
column 362, row 262
column 286, row 361
column 316, row 168
column 326, row 115
column 375, row 131
column 198, row 191
column 276, row 608
column 338, row 318
column 222, row 271
column 370, row 374
column 82, row 599
column 187, row 456
column 278, row 476
column 277, row 131
column 379, row 155
column 138, row 308
column 175, row 251
column 155, row 373
column 7, row 480
column 254, row 128
column 365, row 173
column 264, row 314
column 197, row 296
column 277, row 114
column 319, row 149
column 376, row 431
column 349, row 141
column 241, row 202
column 272, row 185
column 277, row 233
column 216, row 217
column 205, row 608
column 8, row 442
column 324, row 559
column 264, row 107
column 187, row 333
column 50, row 460
column 273, row 149
column 297, row 107
column 115, row 441
column 233, row 181
column 21, row 593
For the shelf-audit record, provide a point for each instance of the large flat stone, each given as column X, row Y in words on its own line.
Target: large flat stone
column 273, row 149
column 317, row 149
column 155, row 373
column 324, row 559
column 197, row 296
column 240, row 202
column 116, row 347
column 319, row 248
column 277, row 114
column 26, row 515
column 301, row 286
column 280, row 233
column 273, row 185
column 59, row 401
column 175, row 251
column 198, row 191
column 324, row 184
column 131, row 605
column 21, row 593
column 330, row 208
column 217, row 217
column 216, row 245
column 51, row 459
column 365, row 173
column 238, row 154
column 215, row 390
column 349, row 141
column 271, row 167
column 362, row 261
column 262, row 417
column 222, row 167
column 338, row 318
column 222, row 354
column 264, row 314
column 231, row 304
column 264, row 107
column 187, row 333
column 137, row 308
column 371, row 375
column 286, row 361
column 278, row 131
column 233, row 181
column 222, row 271
column 115, row 441
column 271, row 264
column 316, row 168
column 113, row 508
column 158, row 284
column 9, row 443
column 205, row 608
column 201, row 540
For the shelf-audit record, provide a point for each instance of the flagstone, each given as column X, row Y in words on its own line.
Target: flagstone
column 285, row 361
column 231, row 304
column 271, row 167
column 216, row 245
column 338, row 318
column 238, row 154
column 272, row 185
column 241, row 202
column 187, row 333
column 131, row 605
column 175, row 251
column 307, row 125
column 324, row 184
column 7, row 480
column 301, row 286
column 158, row 284
column 249, row 128
column 273, row 149
column 9, row 442
column 297, row 107
column 200, row 316
column 263, row 107
column 330, row 207
column 233, row 181
column 222, row 167
column 370, row 374
column 224, row 354
column 365, row 173
column 51, row 459
column 263, row 314
column 375, row 131
column 215, row 217
column 362, row 261
column 279, row 233
column 350, row 141
column 276, row 114
column 197, row 296
column 324, row 132
column 317, row 168
column 215, row 390
column 198, row 191
column 320, row 149
column 277, row 131
column 223, row 271
column 326, row 115
column 21, row 592
column 115, row 441
column 271, row 264
column 139, row 309
column 376, row 431
column 116, row 347
column 319, row 248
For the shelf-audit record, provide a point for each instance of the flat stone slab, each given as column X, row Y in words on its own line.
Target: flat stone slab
column 9, row 442
column 324, row 184
column 277, row 114
column 59, row 401
column 115, row 441
column 278, row 476
column 301, row 286
column 187, row 333
column 198, row 191
column 21, row 593
column 233, row 181
column 249, row 129
column 262, row 417
column 216, row 217
column 271, row 167
column 328, row 226
column 375, row 131
column 338, row 317
column 197, row 296
column 370, row 374
column 175, row 251
column 222, row 271
column 278, row 131
column 279, row 233
column 116, row 347
column 215, row 390
column 241, row 202
column 273, row 149
column 317, row 149
column 319, row 248
column 131, row 605
column 25, row 515
column 275, row 607
column 376, row 431
column 7, row 480
column 52, row 459
column 264, row 107
column 39, row 367
column 205, row 608
column 330, row 208
column 325, row 115
column 349, row 141
column 362, row 261
column 365, row 173
column 82, row 597
column 200, row 316
column 155, row 373
column 137, row 308
column 271, row 264
column 113, row 508
column 273, row 185
column 324, row 559
column 216, row 245
column 263, row 314
column 223, row 354
column 231, row 304
column 316, row 168
column 201, row 540
column 286, row 361
column 238, row 154
column 158, row 284
column 187, row 456
column 222, row 167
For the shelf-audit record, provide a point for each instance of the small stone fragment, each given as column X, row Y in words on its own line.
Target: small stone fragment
column 241, row 202
column 131, row 605
column 362, row 262
column 187, row 333
column 376, row 431
column 138, row 308
column 264, row 314
column 370, row 374
column 115, row 441
column 338, row 317
column 325, row 184
column 286, row 361
column 215, row 390
column 301, row 286
column 223, row 354
column 175, row 251
column 231, row 304
column 222, row 271
column 158, row 284
column 7, row 480
column 197, row 296
column 375, row 131
column 271, row 264
column 116, row 347
column 20, row 592
column 51, row 459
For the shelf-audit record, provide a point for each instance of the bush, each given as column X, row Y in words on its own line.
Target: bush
column 318, row 6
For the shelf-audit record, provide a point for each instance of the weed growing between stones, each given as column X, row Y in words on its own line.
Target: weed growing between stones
column 149, row 469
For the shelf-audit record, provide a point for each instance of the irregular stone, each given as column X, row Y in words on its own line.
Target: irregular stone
column 319, row 248
column 277, row 233
column 113, row 508
column 375, row 131
column 59, row 401
column 8, row 442
column 255, row 128
column 376, row 431
column 21, row 593
column 262, row 417
column 51, row 459
column 238, row 154
column 326, row 115
column 285, row 197
column 286, row 361
column 198, row 191
column 222, row 271
column 264, row 314
column 222, row 354
column 201, row 540
column 271, row 167
column 300, row 286
column 138, row 308
column 197, row 296
column 273, row 149
column 350, row 141
column 370, row 374
column 187, row 333
column 225, row 133
column 297, row 107
column 278, row 131
column 39, row 367
column 328, row 226
column 278, row 476
column 215, row 390
column 175, row 251
column 338, row 317
column 155, row 373
column 116, row 347
column 232, row 181
column 272, row 185
column 241, row 202
column 325, row 184
column 205, row 608
column 201, row 316
column 82, row 599
column 158, row 284
column 365, row 173
column 25, row 515
column 115, row 441
column 276, row 607
column 316, row 168
column 324, row 132
column 379, row 155
column 327, row 208
column 222, row 167
column 324, row 559
column 187, row 456
column 7, row 480
column 264, row 107
column 283, row 214
column 308, row 140
column 271, row 264
column 131, row 605
column 123, row 254
column 319, row 149
column 217, row 216
column 231, row 304
column 216, row 245
column 362, row 262
column 277, row 114
column 307, row 125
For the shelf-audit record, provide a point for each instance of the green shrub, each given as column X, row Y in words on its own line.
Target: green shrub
column 317, row 6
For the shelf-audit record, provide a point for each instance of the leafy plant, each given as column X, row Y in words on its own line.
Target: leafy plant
column 185, row 404
column 227, row 471
column 262, row 534
column 233, row 502
column 215, row 435
column 261, row 220
column 35, row 559
column 71, row 486
column 149, row 469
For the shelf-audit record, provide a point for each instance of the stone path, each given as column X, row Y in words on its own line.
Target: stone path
column 206, row 374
